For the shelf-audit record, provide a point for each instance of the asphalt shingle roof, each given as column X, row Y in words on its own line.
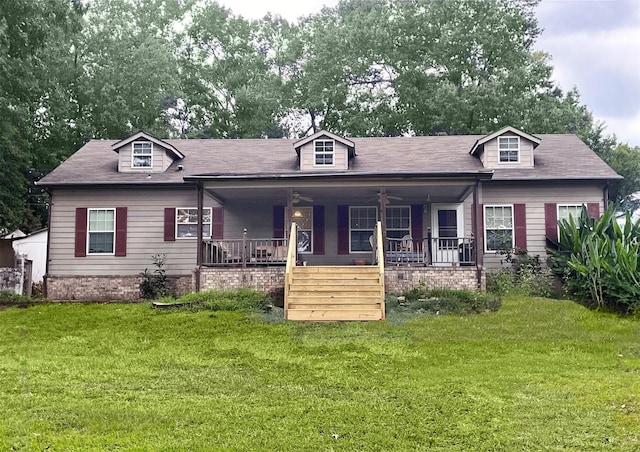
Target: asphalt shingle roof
column 557, row 157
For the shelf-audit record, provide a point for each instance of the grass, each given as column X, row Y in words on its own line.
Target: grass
column 538, row 374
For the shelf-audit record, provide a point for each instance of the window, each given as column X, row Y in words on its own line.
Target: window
column 498, row 227
column 187, row 223
column 323, row 152
column 362, row 221
column 569, row 210
column 141, row 154
column 398, row 222
column 509, row 148
column 303, row 216
column 101, row 231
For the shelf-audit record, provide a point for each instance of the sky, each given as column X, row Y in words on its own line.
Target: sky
column 594, row 45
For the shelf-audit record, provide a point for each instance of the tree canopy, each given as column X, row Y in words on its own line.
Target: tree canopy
column 72, row 70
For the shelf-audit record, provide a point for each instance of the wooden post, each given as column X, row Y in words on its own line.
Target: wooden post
column 288, row 212
column 383, row 220
column 244, row 248
column 477, row 228
column 199, row 233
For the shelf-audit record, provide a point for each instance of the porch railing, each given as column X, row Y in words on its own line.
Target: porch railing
column 450, row 251
column 245, row 251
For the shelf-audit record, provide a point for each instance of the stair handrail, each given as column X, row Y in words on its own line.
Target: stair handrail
column 380, row 254
column 292, row 258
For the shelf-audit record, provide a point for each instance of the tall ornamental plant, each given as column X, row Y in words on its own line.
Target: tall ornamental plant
column 598, row 260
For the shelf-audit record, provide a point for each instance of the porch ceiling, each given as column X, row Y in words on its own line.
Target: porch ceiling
column 434, row 193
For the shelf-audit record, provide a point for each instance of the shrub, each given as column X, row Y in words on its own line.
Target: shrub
column 524, row 276
column 237, row 300
column 442, row 301
column 598, row 260
column 8, row 298
column 154, row 284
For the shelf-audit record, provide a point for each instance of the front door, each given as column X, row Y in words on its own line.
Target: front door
column 447, row 225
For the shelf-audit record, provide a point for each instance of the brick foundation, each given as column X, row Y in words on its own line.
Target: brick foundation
column 106, row 288
column 399, row 279
column 264, row 279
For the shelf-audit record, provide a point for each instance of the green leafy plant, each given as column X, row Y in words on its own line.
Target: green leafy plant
column 233, row 300
column 154, row 284
column 524, row 275
column 598, row 260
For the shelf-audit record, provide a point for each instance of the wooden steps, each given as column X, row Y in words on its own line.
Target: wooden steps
column 323, row 293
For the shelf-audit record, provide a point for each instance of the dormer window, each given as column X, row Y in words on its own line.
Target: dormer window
column 142, row 154
column 509, row 148
column 323, row 152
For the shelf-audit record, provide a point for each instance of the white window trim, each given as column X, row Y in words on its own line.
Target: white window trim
column 311, row 238
column 89, row 210
column 484, row 226
column 399, row 229
column 579, row 206
column 133, row 155
column 333, row 153
column 377, row 219
column 210, row 223
column 509, row 150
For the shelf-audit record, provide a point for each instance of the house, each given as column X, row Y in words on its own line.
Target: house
column 33, row 247
column 276, row 213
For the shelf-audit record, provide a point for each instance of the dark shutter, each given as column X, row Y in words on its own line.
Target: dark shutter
column 551, row 221
column 278, row 222
column 318, row 229
column 217, row 223
column 169, row 224
column 81, row 232
column 343, row 229
column 121, row 231
column 593, row 209
column 417, row 230
column 520, row 226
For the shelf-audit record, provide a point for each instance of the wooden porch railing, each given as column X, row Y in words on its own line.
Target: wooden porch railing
column 245, row 251
column 432, row 251
column 292, row 259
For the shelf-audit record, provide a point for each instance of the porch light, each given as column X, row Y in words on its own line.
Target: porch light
column 297, row 214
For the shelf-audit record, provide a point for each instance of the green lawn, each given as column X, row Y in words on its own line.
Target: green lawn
column 538, row 374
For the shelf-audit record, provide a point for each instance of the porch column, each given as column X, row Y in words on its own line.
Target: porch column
column 288, row 213
column 383, row 219
column 477, row 228
column 199, row 233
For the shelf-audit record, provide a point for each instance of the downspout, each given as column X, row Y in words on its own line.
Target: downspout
column 199, row 232
column 477, row 231
column 605, row 196
column 45, row 290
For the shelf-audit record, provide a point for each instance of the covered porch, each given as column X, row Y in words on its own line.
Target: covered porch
column 426, row 221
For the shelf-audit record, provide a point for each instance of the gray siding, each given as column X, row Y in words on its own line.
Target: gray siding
column 160, row 160
column 534, row 196
column 490, row 156
column 340, row 158
column 145, row 231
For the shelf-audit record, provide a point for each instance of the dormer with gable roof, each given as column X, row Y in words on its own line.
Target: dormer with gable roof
column 142, row 152
column 324, row 151
column 506, row 148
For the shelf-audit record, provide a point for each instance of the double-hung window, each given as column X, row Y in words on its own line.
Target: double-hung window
column 362, row 222
column 569, row 210
column 398, row 222
column 498, row 228
column 141, row 154
column 323, row 152
column 509, row 149
column 187, row 222
column 101, row 231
